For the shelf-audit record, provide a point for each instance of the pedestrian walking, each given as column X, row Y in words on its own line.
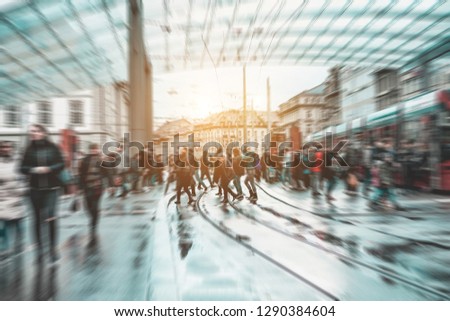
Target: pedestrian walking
column 92, row 175
column 42, row 163
column 383, row 175
column 316, row 170
column 329, row 174
column 238, row 170
column 227, row 175
column 184, row 176
column 251, row 159
column 204, row 169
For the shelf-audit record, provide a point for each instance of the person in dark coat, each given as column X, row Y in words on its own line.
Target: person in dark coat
column 184, row 176
column 42, row 163
column 226, row 175
column 204, row 169
column 329, row 174
column 92, row 175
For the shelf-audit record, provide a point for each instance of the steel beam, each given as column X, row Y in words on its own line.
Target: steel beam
column 327, row 28
column 45, row 21
column 188, row 30
column 88, row 37
column 224, row 43
column 31, row 45
column 294, row 17
column 206, row 40
column 407, row 27
column 112, row 26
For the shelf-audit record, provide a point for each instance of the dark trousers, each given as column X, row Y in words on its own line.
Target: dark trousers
column 92, row 196
column 183, row 184
column 44, row 210
column 205, row 172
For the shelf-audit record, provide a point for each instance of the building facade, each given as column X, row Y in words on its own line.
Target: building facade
column 95, row 116
column 387, row 88
column 228, row 126
column 333, row 97
column 358, row 93
column 307, row 111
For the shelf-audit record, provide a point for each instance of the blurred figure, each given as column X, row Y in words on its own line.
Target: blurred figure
column 251, row 159
column 238, row 170
column 352, row 157
column 184, row 176
column 297, row 172
column 329, row 174
column 91, row 182
column 383, row 176
column 286, row 170
column 204, row 169
column 367, row 163
column 316, row 170
column 42, row 163
column 172, row 177
column 306, row 165
column 135, row 172
column 227, row 175
column 196, row 164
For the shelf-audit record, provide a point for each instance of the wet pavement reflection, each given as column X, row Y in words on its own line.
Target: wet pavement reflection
column 290, row 248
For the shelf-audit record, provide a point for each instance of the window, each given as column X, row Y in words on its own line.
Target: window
column 308, row 114
column 45, row 113
column 12, row 116
column 76, row 112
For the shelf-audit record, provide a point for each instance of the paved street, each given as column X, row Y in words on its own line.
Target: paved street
column 287, row 247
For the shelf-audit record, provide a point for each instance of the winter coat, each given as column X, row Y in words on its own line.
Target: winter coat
column 92, row 173
column 42, row 153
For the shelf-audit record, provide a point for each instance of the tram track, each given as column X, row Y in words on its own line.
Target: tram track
column 394, row 276
column 240, row 239
column 329, row 217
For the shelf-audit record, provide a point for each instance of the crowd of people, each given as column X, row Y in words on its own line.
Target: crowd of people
column 369, row 168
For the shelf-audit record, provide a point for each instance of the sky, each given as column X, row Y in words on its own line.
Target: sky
column 196, row 94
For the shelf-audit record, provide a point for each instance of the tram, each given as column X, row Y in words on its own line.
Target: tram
column 424, row 119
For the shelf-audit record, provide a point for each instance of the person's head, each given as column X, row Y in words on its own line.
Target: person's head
column 236, row 152
column 37, row 132
column 94, row 149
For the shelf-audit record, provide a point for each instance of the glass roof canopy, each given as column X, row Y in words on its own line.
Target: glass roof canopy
column 51, row 47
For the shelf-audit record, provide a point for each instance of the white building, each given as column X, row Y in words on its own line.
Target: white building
column 96, row 116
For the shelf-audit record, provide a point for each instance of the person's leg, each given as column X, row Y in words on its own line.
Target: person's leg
column 51, row 199
column 186, row 190
column 377, row 194
column 314, row 183
column 331, row 184
column 393, row 198
column 247, row 184
column 252, row 183
column 208, row 176
column 237, row 184
column 36, row 202
column 200, row 180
